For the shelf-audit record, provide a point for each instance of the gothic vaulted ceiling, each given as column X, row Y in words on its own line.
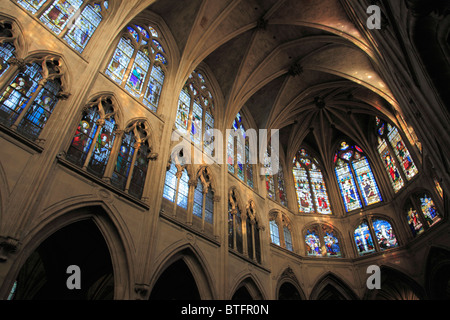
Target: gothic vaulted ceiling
column 300, row 66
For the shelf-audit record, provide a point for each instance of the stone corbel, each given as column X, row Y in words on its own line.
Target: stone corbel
column 142, row 291
column 7, row 246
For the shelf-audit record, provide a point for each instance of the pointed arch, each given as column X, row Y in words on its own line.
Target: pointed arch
column 331, row 287
column 395, row 285
column 193, row 258
column 247, row 288
column 293, row 290
column 104, row 219
column 437, row 273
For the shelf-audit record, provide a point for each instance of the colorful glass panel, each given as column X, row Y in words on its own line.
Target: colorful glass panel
column 363, row 239
column 313, row 247
column 402, row 153
column 31, row 5
column 274, row 232
column 281, row 188
column 154, row 87
column 347, row 187
column 183, row 110
column 84, row 27
column 183, row 190
column 83, row 137
column 331, row 242
column 58, row 14
column 18, row 92
column 120, row 60
column 40, row 111
column 209, row 206
column 139, row 174
column 320, row 192
column 6, row 51
column 170, row 184
column 302, row 189
column 366, row 180
column 384, row 234
column 123, row 162
column 102, row 148
column 196, row 125
column 429, row 209
column 137, row 75
column 414, row 222
column 393, row 173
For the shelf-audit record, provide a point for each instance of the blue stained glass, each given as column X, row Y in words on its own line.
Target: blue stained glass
column 170, row 184
column 31, row 5
column 102, row 148
column 184, row 103
column 183, row 190
column 287, row 238
column 85, row 25
column 158, row 45
column 331, row 244
column 302, row 188
column 347, row 187
column 154, row 87
column 59, row 13
column 159, row 57
column 120, row 60
column 6, row 51
column 363, row 239
column 18, row 92
column 429, row 209
column 274, row 233
column 123, row 162
column 366, row 181
column 197, row 209
column 42, row 107
column 312, row 243
column 384, row 234
column 138, row 74
column 209, row 206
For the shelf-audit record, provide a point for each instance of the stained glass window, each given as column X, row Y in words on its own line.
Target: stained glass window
column 209, row 206
column 331, row 242
column 183, row 190
column 170, row 184
column 429, row 209
column 438, row 187
column 139, row 60
column 128, row 162
column 198, row 200
column 390, row 166
column 351, row 164
column 275, row 237
column 313, row 246
column 363, row 239
column 287, row 238
column 238, row 152
column 402, row 152
column 31, row 5
column 312, row 196
column 84, row 27
column 22, row 108
column 93, row 142
column 414, row 220
column 384, row 234
column 7, row 50
column 195, row 111
column 59, row 13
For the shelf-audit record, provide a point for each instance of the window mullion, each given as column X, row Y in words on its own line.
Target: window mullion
column 100, row 124
column 355, row 179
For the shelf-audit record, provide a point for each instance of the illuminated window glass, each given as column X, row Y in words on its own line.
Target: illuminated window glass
column 331, row 242
column 363, row 239
column 28, row 102
column 414, row 220
column 7, row 49
column 183, row 190
column 195, row 111
column 390, row 166
column 170, row 184
column 238, row 153
column 312, row 240
column 274, row 232
column 59, row 13
column 352, row 165
column 198, row 200
column 138, row 64
column 384, row 234
column 93, row 140
column 401, row 152
column 85, row 25
column 429, row 209
column 310, row 186
column 31, row 5
column 287, row 238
